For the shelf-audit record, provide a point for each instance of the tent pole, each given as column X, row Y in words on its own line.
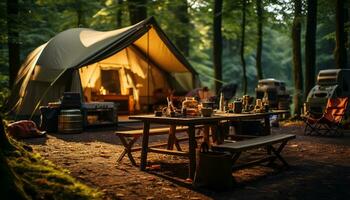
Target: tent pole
column 148, row 73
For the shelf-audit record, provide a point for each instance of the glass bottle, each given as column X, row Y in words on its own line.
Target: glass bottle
column 222, row 102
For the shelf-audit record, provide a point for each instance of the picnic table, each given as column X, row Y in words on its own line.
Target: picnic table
column 191, row 122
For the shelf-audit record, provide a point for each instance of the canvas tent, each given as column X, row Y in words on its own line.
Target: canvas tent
column 140, row 57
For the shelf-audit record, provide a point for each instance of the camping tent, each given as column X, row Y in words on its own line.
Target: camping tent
column 140, row 57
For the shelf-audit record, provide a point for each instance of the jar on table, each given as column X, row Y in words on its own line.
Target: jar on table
column 190, row 104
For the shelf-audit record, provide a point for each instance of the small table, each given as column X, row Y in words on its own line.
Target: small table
column 191, row 122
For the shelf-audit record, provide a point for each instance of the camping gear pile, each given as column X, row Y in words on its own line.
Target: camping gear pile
column 64, row 116
column 71, row 115
column 99, row 113
column 24, row 129
column 331, row 83
column 275, row 92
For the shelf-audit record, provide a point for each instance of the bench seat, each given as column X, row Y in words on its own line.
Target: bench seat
column 254, row 143
column 236, row 148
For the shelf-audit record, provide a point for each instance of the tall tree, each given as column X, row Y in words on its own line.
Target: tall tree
column 245, row 80
column 310, row 44
column 13, row 39
column 217, row 44
column 137, row 10
column 79, row 8
column 347, row 31
column 340, row 38
column 297, row 63
column 259, row 11
column 182, row 41
column 119, row 13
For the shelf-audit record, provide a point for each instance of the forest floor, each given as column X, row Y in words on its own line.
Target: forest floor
column 320, row 169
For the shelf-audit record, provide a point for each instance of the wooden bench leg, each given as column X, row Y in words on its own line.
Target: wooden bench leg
column 192, row 150
column 268, row 149
column 171, row 138
column 277, row 153
column 144, row 151
column 235, row 157
column 177, row 144
column 127, row 149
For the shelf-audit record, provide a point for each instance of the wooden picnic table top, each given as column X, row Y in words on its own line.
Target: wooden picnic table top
column 202, row 120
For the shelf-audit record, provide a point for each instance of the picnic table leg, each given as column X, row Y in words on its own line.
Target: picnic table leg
column 277, row 153
column 171, row 138
column 177, row 144
column 144, row 150
column 267, row 128
column 214, row 132
column 206, row 133
column 192, row 151
column 127, row 149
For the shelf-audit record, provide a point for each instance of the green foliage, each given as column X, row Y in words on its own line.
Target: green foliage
column 4, row 90
column 42, row 19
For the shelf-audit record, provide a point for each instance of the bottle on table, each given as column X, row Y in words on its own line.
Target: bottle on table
column 222, row 102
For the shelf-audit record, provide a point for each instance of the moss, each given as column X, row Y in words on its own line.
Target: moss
column 43, row 180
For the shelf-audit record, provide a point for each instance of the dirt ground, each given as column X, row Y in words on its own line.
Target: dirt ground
column 320, row 169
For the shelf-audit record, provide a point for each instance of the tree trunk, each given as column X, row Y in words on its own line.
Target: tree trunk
column 297, row 64
column 259, row 11
column 137, row 10
column 13, row 39
column 119, row 14
column 310, row 44
column 79, row 9
column 217, row 44
column 183, row 40
column 245, row 80
column 340, row 50
column 10, row 185
column 346, row 38
column 4, row 142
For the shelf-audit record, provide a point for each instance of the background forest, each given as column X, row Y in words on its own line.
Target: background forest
column 189, row 24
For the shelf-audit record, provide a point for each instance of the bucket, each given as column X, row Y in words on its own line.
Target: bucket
column 213, row 170
column 70, row 121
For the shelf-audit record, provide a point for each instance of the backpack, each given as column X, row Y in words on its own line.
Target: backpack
column 24, row 129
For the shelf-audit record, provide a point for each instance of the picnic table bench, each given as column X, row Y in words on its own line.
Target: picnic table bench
column 129, row 137
column 237, row 147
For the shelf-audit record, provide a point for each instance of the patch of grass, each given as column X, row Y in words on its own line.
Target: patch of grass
column 44, row 180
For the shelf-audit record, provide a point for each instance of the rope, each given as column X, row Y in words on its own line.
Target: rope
column 212, row 78
column 148, row 71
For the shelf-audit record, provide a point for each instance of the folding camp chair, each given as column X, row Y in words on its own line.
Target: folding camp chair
column 330, row 121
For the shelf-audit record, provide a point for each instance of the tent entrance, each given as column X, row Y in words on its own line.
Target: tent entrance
column 123, row 76
column 110, row 81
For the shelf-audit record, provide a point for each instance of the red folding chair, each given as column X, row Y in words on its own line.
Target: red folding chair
column 330, row 121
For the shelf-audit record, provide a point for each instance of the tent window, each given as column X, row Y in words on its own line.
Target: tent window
column 110, row 81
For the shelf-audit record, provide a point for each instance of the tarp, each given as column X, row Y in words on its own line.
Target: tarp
column 143, row 56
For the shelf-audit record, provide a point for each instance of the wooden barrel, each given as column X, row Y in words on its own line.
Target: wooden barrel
column 70, row 121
